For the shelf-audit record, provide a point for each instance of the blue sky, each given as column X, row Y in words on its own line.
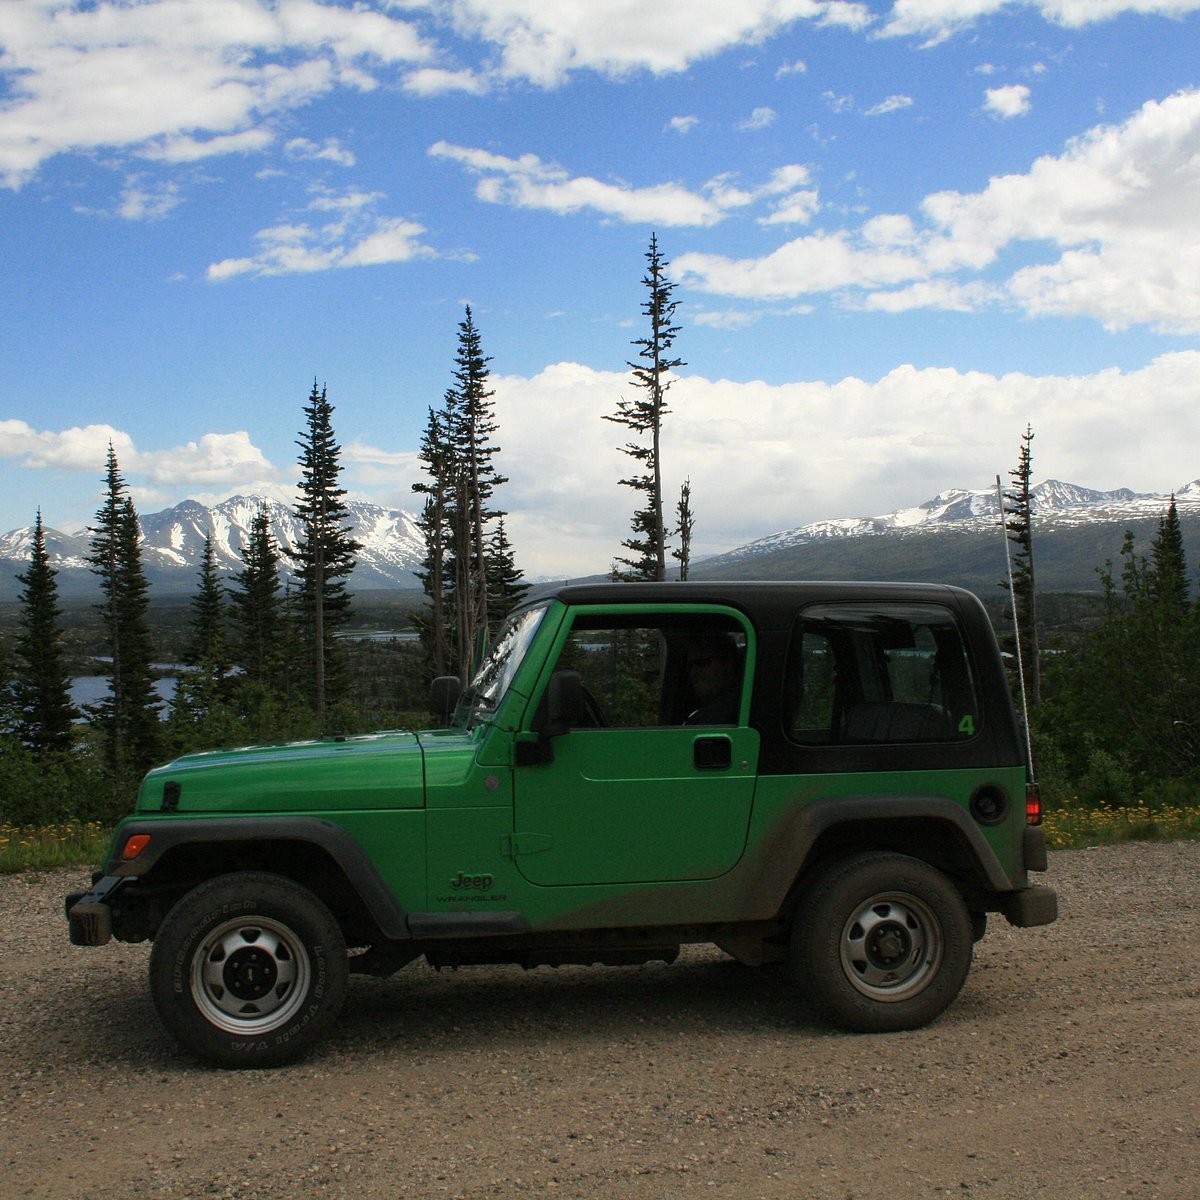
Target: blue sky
column 900, row 231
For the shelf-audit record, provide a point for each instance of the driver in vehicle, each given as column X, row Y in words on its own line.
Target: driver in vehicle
column 715, row 672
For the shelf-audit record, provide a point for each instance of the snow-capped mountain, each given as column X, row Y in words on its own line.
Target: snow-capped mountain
column 1056, row 505
column 173, row 542
column 1077, row 529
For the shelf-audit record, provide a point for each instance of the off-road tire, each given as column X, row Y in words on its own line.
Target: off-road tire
column 881, row 942
column 248, row 970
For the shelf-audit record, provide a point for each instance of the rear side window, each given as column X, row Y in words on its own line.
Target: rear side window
column 861, row 674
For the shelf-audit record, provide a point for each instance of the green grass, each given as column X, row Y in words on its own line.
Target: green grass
column 47, row 847
column 1070, row 828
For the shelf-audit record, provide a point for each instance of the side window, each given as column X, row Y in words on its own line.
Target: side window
column 658, row 669
column 859, row 674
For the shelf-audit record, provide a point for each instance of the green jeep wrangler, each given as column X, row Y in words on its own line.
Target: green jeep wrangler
column 825, row 775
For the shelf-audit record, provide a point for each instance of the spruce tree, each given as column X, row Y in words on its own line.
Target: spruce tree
column 202, row 693
column 128, row 717
column 504, row 586
column 1168, row 563
column 325, row 550
column 685, row 523
column 41, row 688
column 470, row 427
column 458, row 453
column 208, row 642
column 643, row 416
column 1018, row 511
column 8, row 701
column 436, row 568
column 255, row 605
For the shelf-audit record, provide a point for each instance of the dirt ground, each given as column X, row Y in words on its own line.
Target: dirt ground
column 1069, row 1067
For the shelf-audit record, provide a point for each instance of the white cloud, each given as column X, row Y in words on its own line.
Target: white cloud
column 797, row 209
column 330, row 150
column 81, row 448
column 544, row 43
column 1111, row 222
column 682, row 125
column 763, row 458
column 890, row 105
column 178, row 79
column 846, row 14
column 437, row 81
column 183, row 149
column 529, row 182
column 216, row 458
column 1006, row 102
column 760, row 118
column 728, row 318
column 356, row 235
column 798, row 67
column 819, row 262
column 838, row 104
column 148, row 202
column 938, row 19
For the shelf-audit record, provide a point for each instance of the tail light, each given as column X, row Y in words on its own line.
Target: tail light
column 1033, row 804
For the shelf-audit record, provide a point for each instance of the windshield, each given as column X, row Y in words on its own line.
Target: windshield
column 498, row 669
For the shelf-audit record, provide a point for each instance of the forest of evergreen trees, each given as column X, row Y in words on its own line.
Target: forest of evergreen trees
column 1115, row 714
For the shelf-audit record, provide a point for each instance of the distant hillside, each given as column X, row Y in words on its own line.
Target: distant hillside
column 956, row 538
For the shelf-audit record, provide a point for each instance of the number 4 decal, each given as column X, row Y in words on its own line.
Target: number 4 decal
column 967, row 726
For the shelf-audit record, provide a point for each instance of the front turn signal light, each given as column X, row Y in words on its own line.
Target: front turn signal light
column 134, row 846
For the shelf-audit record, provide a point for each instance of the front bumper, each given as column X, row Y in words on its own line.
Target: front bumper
column 88, row 913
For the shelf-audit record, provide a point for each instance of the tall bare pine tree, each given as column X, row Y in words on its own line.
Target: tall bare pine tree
column 1018, row 521
column 642, row 416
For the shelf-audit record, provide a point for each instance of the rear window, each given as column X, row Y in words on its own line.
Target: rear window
column 860, row 674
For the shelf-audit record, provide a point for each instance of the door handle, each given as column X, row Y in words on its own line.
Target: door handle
column 712, row 753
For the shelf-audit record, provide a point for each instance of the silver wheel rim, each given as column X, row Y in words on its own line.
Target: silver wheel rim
column 250, row 975
column 891, row 946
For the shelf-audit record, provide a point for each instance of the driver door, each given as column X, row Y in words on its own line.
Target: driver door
column 637, row 791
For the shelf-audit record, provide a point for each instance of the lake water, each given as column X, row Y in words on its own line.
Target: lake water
column 91, row 689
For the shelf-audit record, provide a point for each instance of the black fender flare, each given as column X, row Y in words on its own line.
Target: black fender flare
column 790, row 845
column 342, row 847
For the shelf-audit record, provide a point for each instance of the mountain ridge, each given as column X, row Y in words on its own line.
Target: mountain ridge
column 173, row 543
column 953, row 537
column 1053, row 502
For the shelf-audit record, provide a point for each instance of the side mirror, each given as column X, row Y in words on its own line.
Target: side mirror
column 561, row 708
column 443, row 697
column 564, row 703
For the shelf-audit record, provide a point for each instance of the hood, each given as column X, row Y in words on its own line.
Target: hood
column 371, row 771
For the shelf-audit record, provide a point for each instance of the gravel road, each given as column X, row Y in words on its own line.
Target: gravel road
column 1069, row 1067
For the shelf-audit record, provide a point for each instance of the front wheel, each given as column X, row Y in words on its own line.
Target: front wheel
column 881, row 942
column 248, row 970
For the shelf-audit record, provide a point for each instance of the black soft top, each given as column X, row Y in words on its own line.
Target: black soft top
column 770, row 604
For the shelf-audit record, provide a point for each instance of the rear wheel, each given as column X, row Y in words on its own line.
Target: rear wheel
column 881, row 942
column 248, row 970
